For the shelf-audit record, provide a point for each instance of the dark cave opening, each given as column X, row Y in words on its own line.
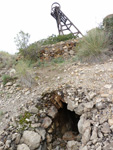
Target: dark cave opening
column 66, row 121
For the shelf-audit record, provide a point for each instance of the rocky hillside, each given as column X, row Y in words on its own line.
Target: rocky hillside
column 69, row 107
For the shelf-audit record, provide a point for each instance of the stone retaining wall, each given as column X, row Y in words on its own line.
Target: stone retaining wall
column 61, row 49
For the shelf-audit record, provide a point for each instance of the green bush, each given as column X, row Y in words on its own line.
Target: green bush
column 25, row 73
column 24, row 121
column 6, row 78
column 23, row 67
column 58, row 60
column 1, row 113
column 53, row 39
column 108, row 25
column 93, row 43
column 32, row 52
column 6, row 60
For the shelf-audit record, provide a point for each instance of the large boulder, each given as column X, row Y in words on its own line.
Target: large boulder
column 32, row 139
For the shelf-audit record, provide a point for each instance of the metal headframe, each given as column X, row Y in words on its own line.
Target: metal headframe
column 63, row 22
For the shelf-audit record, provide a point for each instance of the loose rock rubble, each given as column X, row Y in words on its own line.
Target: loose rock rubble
column 48, row 123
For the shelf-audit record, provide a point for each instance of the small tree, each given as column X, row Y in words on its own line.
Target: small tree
column 22, row 40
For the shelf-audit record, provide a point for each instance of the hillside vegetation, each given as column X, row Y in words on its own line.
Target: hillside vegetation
column 96, row 42
column 62, row 99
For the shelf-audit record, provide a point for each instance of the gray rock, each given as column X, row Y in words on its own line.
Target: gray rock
column 108, row 86
column 42, row 132
column 99, row 148
column 71, row 105
column 80, row 123
column 33, row 119
column 108, row 146
column 46, row 122
column 34, row 125
column 1, row 143
column 33, row 110
column 89, row 105
column 73, row 145
column 86, row 136
column 22, row 147
column 40, row 148
column 32, row 139
column 17, row 140
column 57, row 148
column 105, row 128
column 12, row 72
column 80, row 109
column 86, row 125
column 84, row 148
column 1, row 147
column 110, row 121
column 7, row 144
column 71, row 52
column 91, row 95
column 9, row 84
column 44, row 146
column 102, row 119
column 100, row 135
column 95, row 141
column 100, row 105
column 94, row 134
column 52, row 111
column 111, row 127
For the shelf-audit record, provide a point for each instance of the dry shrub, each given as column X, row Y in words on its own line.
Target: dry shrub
column 93, row 44
column 25, row 73
column 6, row 60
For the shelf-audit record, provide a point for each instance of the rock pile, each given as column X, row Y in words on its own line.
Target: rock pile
column 61, row 49
column 69, row 118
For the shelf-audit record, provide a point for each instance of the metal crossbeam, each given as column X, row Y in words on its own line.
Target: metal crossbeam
column 63, row 22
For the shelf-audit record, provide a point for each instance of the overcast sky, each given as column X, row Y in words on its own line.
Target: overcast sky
column 33, row 17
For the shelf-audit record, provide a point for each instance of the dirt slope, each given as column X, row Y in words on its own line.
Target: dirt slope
column 97, row 77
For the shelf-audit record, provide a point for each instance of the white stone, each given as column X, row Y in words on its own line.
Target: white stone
column 80, row 123
column 94, row 134
column 33, row 110
column 86, row 125
column 32, row 139
column 42, row 133
column 72, row 145
column 86, row 136
column 23, row 147
column 108, row 86
column 9, row 84
column 99, row 148
column 105, row 128
column 110, row 121
column 84, row 148
column 89, row 105
column 71, row 105
column 12, row 72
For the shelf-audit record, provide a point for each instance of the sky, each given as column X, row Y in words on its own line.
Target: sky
column 33, row 17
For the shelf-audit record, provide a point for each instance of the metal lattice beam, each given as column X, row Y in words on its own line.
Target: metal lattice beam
column 63, row 22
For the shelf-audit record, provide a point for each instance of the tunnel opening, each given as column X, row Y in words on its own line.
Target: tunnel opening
column 66, row 124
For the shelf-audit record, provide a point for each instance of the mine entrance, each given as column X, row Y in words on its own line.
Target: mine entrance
column 66, row 123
